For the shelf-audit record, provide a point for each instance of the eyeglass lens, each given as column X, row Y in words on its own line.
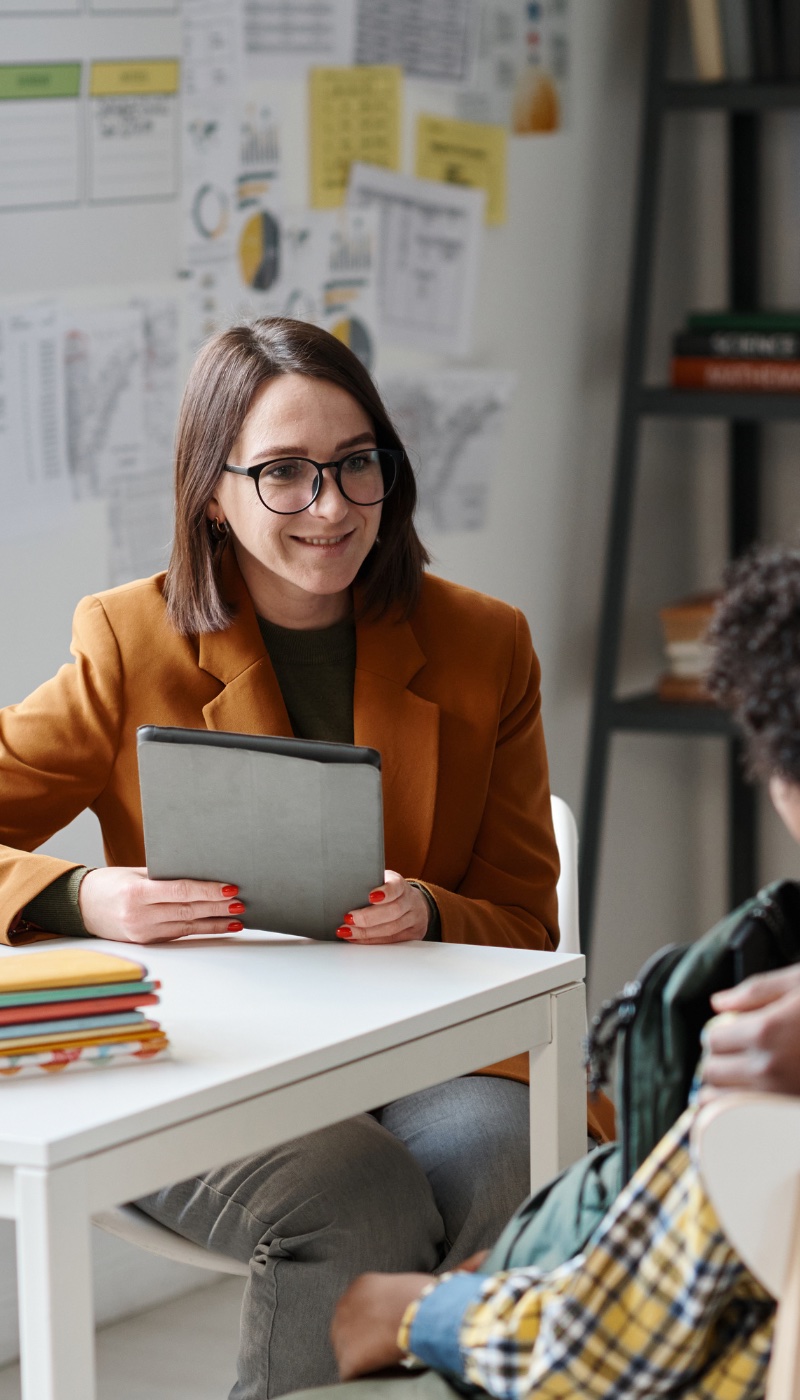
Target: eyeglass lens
column 290, row 485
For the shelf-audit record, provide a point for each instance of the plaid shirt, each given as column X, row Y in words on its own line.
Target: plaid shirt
column 659, row 1303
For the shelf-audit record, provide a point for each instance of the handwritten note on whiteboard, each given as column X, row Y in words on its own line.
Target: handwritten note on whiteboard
column 134, row 139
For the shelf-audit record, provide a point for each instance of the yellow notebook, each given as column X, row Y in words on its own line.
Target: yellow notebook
column 65, row 967
column 140, row 1030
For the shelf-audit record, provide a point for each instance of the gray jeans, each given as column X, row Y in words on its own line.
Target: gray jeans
column 418, row 1185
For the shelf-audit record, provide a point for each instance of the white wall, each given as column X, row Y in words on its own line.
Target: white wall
column 551, row 305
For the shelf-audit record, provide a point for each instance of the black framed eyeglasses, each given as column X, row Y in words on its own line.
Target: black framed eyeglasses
column 291, row 484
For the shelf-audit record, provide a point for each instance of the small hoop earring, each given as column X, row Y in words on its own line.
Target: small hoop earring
column 219, row 530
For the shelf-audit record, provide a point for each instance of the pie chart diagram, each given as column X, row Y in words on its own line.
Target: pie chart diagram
column 259, row 251
column 210, row 211
column 354, row 334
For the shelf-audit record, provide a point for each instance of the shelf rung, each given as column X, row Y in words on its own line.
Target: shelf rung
column 731, row 97
column 663, row 402
column 648, row 714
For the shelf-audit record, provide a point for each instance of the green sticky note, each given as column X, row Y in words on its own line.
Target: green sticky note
column 39, row 80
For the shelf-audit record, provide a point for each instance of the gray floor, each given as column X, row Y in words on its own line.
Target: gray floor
column 182, row 1350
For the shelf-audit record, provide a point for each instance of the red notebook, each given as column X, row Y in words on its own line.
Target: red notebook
column 51, row 1010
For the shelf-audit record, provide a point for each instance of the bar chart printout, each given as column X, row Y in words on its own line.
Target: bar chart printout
column 39, row 134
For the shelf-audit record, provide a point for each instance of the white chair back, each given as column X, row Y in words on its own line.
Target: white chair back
column 566, row 833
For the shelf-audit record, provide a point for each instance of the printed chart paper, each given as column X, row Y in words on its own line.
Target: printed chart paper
column 104, row 351
column 326, row 273
column 212, row 83
column 433, row 39
column 465, row 153
column 489, row 96
column 349, row 283
column 355, row 116
column 140, row 503
column 259, row 195
column 138, row 7
column 34, row 480
column 284, row 38
column 430, row 241
column 522, row 71
column 133, row 131
column 40, row 134
column 451, row 422
column 40, row 7
column 542, row 87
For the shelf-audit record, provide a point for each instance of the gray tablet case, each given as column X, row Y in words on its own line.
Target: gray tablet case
column 296, row 824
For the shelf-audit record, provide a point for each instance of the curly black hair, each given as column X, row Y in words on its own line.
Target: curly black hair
column 755, row 671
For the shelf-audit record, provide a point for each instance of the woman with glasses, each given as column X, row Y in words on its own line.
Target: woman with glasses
column 296, row 602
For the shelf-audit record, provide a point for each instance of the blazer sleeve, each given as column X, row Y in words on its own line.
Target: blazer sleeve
column 57, row 750
column 507, row 896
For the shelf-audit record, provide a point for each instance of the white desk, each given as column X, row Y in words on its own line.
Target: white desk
column 272, row 1037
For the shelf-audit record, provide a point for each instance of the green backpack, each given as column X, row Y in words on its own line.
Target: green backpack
column 654, row 1025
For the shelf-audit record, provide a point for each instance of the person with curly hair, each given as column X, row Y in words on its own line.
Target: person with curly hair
column 659, row 1303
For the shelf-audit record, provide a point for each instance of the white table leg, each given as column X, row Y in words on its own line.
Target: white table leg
column 54, row 1270
column 558, row 1089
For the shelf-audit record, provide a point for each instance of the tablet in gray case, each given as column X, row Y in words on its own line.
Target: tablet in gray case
column 295, row 823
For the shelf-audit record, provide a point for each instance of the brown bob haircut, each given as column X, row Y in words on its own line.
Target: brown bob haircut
column 223, row 380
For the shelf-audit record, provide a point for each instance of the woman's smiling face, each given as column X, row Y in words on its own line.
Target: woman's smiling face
column 298, row 568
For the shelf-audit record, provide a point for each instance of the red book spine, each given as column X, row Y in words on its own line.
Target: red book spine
column 52, row 1010
column 754, row 376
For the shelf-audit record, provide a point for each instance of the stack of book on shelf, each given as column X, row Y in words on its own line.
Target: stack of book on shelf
column 684, row 625
column 745, row 40
column 70, row 1007
column 738, row 351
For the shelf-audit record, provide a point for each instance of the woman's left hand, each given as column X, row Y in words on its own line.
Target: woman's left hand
column 397, row 913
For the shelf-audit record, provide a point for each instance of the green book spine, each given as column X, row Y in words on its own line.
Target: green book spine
column 743, row 321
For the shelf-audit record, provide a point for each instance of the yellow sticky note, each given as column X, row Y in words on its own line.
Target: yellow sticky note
column 355, row 115
column 134, row 78
column 465, row 153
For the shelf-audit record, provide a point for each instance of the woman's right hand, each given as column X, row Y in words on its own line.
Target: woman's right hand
column 122, row 903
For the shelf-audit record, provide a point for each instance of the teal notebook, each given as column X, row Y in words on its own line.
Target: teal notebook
column 54, row 994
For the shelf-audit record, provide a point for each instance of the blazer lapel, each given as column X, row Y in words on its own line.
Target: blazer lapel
column 404, row 727
column 251, row 701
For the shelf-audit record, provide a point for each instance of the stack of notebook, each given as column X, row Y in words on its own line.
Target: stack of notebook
column 70, row 1007
column 688, row 655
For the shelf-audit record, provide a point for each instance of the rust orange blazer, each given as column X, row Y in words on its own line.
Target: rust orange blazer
column 450, row 698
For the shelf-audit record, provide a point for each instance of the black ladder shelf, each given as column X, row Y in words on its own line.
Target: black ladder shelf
column 744, row 103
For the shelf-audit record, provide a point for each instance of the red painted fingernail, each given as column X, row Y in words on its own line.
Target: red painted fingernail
column 344, row 932
column 377, row 897
column 348, row 918
column 236, row 908
column 235, row 926
column 228, row 891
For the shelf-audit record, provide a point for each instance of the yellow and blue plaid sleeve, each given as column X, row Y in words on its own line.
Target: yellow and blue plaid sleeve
column 659, row 1303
